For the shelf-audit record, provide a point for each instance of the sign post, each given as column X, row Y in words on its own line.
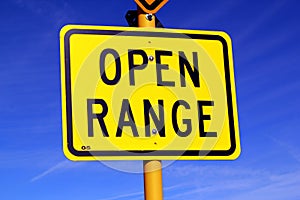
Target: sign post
column 153, row 189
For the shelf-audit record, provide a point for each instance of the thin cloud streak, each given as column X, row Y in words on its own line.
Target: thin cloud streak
column 260, row 20
column 212, row 188
column 291, row 150
column 140, row 194
column 267, row 45
column 50, row 170
column 219, row 11
column 237, row 184
column 210, row 171
column 285, row 186
column 281, row 91
column 124, row 196
column 61, row 165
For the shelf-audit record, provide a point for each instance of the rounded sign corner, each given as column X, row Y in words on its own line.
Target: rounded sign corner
column 225, row 36
column 236, row 152
column 70, row 156
column 64, row 29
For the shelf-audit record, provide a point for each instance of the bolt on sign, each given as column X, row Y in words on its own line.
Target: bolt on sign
column 144, row 94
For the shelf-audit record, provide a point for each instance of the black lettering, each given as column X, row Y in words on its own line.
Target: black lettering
column 158, row 121
column 117, row 76
column 203, row 117
column 160, row 67
column 187, row 122
column 194, row 74
column 133, row 66
column 126, row 110
column 99, row 116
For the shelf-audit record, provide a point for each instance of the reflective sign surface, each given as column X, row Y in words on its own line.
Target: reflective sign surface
column 141, row 94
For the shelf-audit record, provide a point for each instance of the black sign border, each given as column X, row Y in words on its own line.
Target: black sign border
column 148, row 153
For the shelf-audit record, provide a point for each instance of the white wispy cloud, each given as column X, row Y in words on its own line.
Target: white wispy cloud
column 219, row 10
column 140, row 195
column 59, row 166
column 234, row 183
column 210, row 170
column 195, row 190
column 283, row 186
column 134, row 194
column 266, row 44
column 130, row 166
column 125, row 166
column 271, row 94
column 54, row 10
column 293, row 151
column 260, row 19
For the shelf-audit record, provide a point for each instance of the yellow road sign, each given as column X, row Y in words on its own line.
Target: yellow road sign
column 144, row 94
column 151, row 6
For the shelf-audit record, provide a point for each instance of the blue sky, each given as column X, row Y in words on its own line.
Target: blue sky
column 266, row 55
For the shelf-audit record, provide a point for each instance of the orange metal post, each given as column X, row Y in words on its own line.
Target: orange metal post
column 143, row 20
column 152, row 169
column 153, row 180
